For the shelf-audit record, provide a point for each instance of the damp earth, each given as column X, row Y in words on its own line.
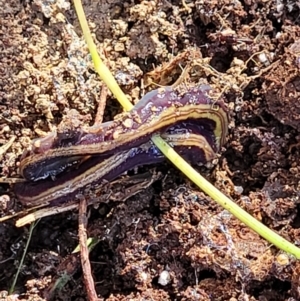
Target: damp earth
column 168, row 241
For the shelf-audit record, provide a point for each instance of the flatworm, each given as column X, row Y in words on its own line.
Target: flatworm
column 67, row 164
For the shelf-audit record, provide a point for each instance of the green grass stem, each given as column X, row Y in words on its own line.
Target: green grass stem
column 178, row 161
column 12, row 287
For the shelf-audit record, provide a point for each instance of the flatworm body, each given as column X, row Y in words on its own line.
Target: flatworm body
column 65, row 164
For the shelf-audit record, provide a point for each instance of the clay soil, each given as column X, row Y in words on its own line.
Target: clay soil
column 169, row 241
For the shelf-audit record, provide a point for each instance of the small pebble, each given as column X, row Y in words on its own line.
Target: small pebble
column 164, row 278
column 282, row 259
column 4, row 201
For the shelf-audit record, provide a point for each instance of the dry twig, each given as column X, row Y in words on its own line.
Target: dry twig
column 84, row 252
column 101, row 105
column 4, row 148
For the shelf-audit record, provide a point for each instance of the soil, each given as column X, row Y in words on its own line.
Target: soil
column 169, row 241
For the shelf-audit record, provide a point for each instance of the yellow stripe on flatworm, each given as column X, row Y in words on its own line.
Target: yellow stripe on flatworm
column 191, row 140
column 83, row 180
